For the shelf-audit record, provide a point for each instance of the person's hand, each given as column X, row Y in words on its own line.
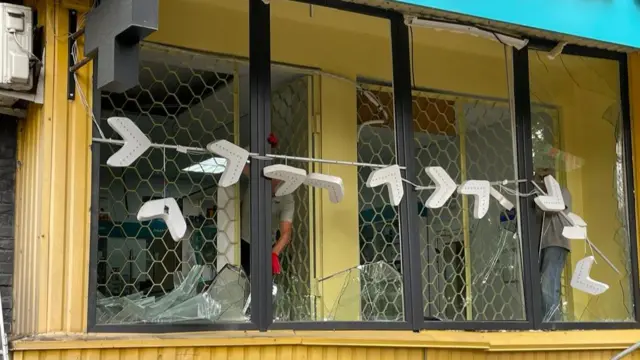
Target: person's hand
column 275, row 264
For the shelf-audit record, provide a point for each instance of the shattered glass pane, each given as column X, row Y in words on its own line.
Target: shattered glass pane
column 374, row 288
column 185, row 99
column 222, row 300
column 578, row 140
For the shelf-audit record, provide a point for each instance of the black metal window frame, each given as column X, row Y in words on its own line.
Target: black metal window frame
column 260, row 122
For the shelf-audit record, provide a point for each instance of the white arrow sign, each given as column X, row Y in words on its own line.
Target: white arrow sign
column 583, row 282
column 290, row 176
column 481, row 191
column 332, row 184
column 445, row 187
column 392, row 178
column 135, row 142
column 501, row 199
column 236, row 160
column 576, row 220
column 574, row 232
column 168, row 210
column 578, row 228
column 553, row 201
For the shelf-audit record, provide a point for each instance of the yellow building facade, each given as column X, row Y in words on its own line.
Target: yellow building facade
column 330, row 62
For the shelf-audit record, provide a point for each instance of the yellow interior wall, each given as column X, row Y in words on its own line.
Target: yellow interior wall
column 354, row 45
column 587, row 135
column 339, row 243
column 634, row 103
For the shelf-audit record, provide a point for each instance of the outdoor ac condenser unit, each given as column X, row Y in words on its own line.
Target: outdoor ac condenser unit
column 16, row 47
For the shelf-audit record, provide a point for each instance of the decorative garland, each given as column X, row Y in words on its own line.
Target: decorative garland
column 135, row 143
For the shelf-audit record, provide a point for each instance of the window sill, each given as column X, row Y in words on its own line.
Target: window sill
column 498, row 341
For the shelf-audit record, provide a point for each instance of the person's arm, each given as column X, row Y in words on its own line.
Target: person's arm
column 286, row 224
column 285, row 237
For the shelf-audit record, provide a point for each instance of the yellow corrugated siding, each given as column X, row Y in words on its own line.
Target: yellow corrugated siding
column 232, row 353
column 309, row 353
column 53, row 195
column 437, row 354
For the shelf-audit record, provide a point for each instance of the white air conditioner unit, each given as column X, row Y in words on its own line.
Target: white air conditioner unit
column 16, row 47
column 17, row 60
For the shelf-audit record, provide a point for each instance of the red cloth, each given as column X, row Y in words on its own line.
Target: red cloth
column 273, row 140
column 275, row 264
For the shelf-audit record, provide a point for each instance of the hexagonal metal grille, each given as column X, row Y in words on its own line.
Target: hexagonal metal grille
column 290, row 123
column 471, row 268
column 183, row 100
column 378, row 219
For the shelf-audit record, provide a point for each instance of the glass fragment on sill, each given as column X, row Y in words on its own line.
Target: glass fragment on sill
column 554, row 314
column 222, row 300
column 374, row 288
column 201, row 306
column 230, row 289
column 183, row 292
column 178, row 278
column 247, row 304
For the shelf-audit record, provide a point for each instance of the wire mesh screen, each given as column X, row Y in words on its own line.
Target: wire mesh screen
column 290, row 123
column 381, row 296
column 471, row 268
column 143, row 275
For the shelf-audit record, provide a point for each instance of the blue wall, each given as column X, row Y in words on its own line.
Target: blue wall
column 613, row 21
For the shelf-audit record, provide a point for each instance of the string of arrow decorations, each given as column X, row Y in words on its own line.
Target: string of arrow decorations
column 135, row 143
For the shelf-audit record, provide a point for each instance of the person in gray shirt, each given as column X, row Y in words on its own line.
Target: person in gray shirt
column 554, row 249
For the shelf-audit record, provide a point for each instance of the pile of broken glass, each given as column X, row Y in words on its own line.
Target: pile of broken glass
column 375, row 288
column 223, row 300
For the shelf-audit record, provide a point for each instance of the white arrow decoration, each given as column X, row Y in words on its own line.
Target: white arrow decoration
column 291, row 177
column 332, row 184
column 135, row 142
column 576, row 220
column 236, row 160
column 445, row 187
column 583, row 282
column 392, row 178
column 481, row 191
column 553, row 201
column 501, row 199
column 578, row 228
column 575, row 232
column 168, row 210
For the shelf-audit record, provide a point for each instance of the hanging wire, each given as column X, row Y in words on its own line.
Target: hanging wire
column 83, row 98
column 164, row 180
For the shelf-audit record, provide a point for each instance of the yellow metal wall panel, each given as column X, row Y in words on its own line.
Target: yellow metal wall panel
column 451, row 354
column 297, row 352
column 53, row 194
column 309, row 352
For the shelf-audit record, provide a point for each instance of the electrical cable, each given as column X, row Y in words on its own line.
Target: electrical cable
column 83, row 98
column 25, row 51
